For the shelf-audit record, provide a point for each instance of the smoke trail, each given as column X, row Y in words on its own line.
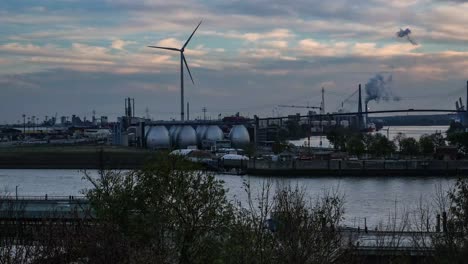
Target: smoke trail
column 378, row 88
column 406, row 34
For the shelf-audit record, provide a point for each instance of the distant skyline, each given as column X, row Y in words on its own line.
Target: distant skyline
column 76, row 56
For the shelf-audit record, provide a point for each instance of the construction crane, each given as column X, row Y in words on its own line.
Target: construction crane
column 301, row 106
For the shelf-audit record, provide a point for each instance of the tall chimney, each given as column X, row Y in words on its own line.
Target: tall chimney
column 188, row 111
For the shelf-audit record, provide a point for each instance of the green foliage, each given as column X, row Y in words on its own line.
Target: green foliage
column 379, row 145
column 409, row 146
column 169, row 208
column 455, row 127
column 338, row 137
column 355, row 145
column 460, row 140
column 426, row 144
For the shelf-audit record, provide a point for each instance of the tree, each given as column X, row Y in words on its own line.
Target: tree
column 286, row 227
column 409, row 146
column 455, row 127
column 355, row 145
column 426, row 145
column 451, row 246
column 460, row 140
column 338, row 137
column 380, row 146
column 170, row 210
column 398, row 138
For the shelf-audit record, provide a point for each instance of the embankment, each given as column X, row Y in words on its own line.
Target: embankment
column 72, row 157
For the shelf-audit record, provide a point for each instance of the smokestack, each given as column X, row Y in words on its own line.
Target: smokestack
column 457, row 106
column 461, row 104
column 188, row 111
column 129, row 107
column 360, row 108
column 133, row 111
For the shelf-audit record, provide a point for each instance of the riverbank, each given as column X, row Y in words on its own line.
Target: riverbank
column 314, row 168
column 72, row 157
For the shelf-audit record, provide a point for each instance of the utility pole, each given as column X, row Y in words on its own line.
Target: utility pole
column 204, row 113
column 322, row 105
column 33, row 123
column 24, row 124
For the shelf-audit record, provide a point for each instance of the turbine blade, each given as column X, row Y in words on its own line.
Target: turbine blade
column 188, row 69
column 183, row 47
column 166, row 48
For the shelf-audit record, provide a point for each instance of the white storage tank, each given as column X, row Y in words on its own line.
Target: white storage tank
column 333, row 123
column 344, row 123
column 239, row 136
column 315, row 123
column 324, row 123
column 200, row 132
column 173, row 133
column 213, row 133
column 158, row 138
column 186, row 137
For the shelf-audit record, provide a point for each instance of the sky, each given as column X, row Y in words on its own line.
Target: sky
column 69, row 57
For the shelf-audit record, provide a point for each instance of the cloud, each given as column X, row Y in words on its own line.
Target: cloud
column 119, row 44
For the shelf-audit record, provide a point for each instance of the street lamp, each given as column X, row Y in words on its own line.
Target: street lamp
column 24, row 124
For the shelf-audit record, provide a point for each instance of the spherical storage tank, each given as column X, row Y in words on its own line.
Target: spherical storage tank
column 200, row 132
column 213, row 133
column 158, row 137
column 239, row 136
column 186, row 137
column 173, row 133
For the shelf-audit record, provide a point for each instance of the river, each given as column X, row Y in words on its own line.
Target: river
column 373, row 198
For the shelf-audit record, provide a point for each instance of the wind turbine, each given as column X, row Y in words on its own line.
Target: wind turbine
column 182, row 62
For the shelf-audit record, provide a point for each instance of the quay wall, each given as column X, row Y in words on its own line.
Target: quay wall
column 358, row 168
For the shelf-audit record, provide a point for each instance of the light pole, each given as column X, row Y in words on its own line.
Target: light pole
column 24, row 124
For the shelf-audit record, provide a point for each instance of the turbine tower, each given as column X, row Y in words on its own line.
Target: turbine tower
column 182, row 62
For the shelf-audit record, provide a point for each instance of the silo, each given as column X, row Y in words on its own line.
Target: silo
column 239, row 136
column 186, row 137
column 213, row 133
column 158, row 138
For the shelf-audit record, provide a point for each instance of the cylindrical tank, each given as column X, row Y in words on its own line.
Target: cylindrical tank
column 239, row 136
column 200, row 132
column 213, row 133
column 324, row 123
column 186, row 137
column 344, row 123
column 158, row 138
column 173, row 133
column 316, row 123
column 333, row 123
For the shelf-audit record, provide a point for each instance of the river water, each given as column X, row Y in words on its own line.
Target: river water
column 373, row 198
